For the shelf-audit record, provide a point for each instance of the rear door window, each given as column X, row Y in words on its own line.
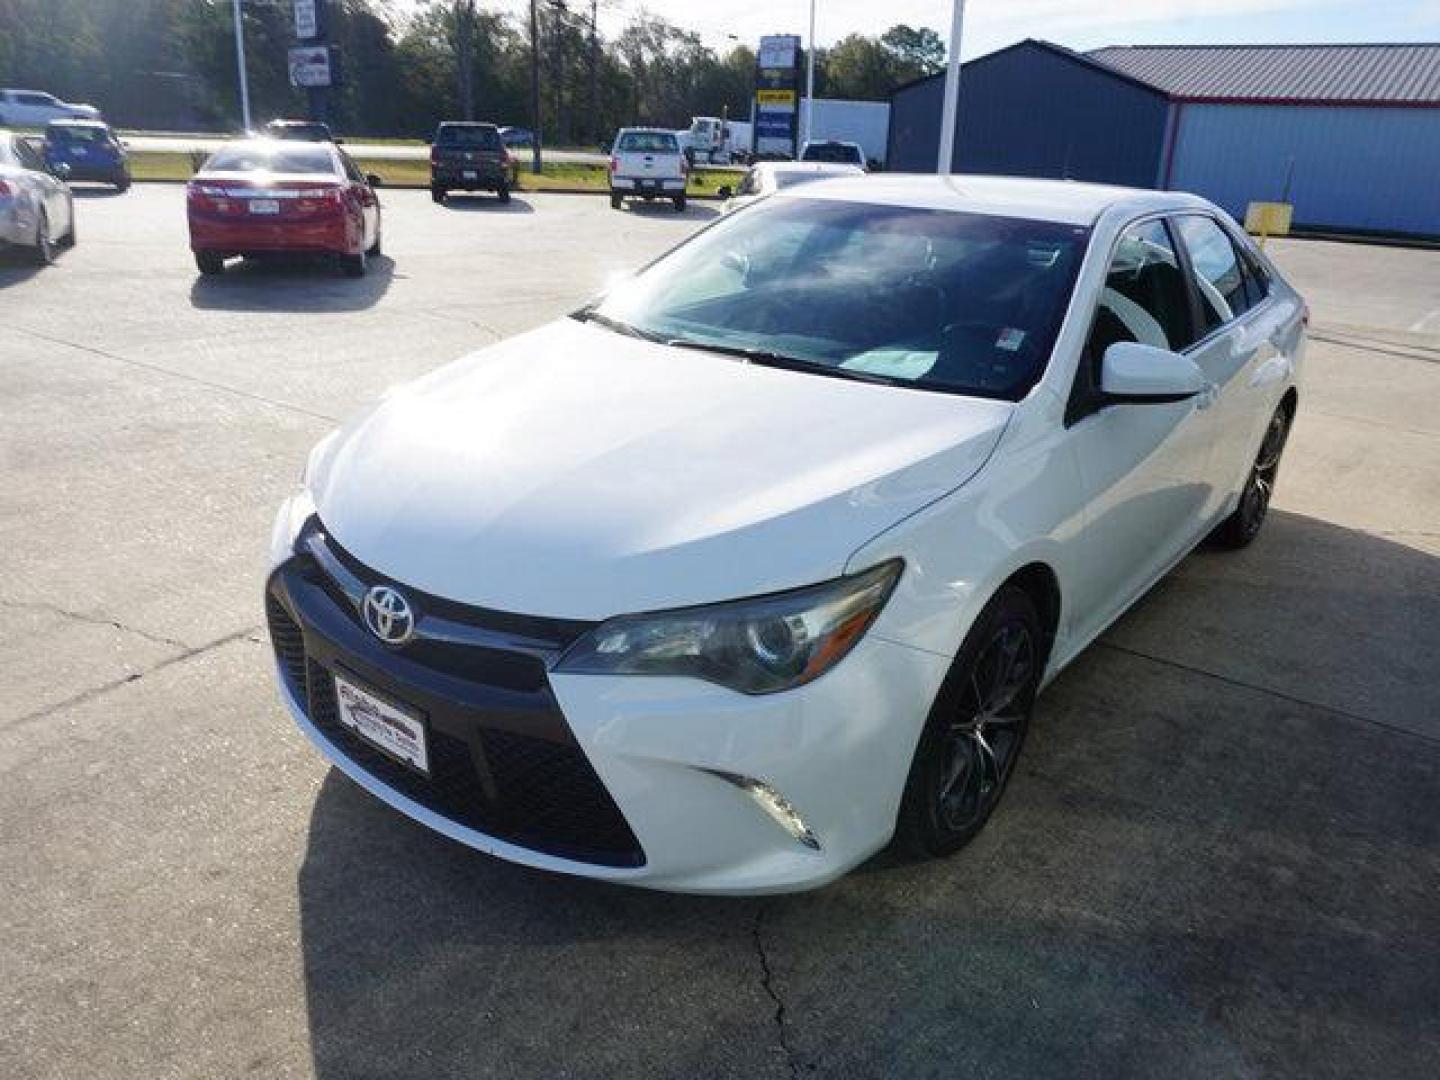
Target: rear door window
column 649, row 142
column 1219, row 273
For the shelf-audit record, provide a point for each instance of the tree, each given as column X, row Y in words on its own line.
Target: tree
column 917, row 52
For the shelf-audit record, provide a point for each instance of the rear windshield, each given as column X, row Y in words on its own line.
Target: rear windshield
column 77, row 135
column 476, row 138
column 299, row 132
column 934, row 299
column 831, row 152
column 277, row 160
column 649, row 142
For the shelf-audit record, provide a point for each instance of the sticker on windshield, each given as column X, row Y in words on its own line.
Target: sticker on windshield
column 1010, row 339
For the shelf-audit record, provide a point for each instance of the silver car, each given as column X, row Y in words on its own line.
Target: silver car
column 37, row 210
column 768, row 177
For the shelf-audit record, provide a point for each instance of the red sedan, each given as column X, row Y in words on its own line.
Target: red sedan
column 264, row 197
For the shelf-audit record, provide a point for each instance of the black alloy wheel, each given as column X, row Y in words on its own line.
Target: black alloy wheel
column 976, row 728
column 1241, row 527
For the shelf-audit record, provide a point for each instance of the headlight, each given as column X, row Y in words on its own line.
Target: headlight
column 756, row 646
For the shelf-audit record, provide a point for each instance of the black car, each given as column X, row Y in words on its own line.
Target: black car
column 89, row 150
column 468, row 156
column 298, row 131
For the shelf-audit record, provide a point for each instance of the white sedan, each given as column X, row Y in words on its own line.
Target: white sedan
column 37, row 209
column 768, row 177
column 759, row 563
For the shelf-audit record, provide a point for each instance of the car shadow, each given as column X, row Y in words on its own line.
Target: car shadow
column 16, row 264
column 663, row 208
column 292, row 284
column 487, row 203
column 1184, row 861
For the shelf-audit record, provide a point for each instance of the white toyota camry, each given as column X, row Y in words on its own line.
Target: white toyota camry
column 759, row 562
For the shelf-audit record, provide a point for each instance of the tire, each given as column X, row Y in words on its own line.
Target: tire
column 503, row 193
column 72, row 237
column 353, row 265
column 615, row 201
column 122, row 184
column 1240, row 528
column 43, row 253
column 679, row 202
column 975, row 730
column 437, row 194
column 374, row 249
column 209, row 263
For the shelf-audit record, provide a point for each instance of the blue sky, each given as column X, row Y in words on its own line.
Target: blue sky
column 1081, row 24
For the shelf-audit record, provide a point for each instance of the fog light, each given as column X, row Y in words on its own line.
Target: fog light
column 774, row 804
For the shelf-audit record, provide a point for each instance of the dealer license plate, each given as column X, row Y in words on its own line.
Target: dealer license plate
column 392, row 728
column 264, row 206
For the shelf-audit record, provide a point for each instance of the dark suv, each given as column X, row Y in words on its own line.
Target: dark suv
column 469, row 157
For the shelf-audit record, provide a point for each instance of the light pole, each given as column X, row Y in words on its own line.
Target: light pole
column 240, row 64
column 952, row 93
column 809, row 78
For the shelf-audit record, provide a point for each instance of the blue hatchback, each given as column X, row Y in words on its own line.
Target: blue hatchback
column 89, row 149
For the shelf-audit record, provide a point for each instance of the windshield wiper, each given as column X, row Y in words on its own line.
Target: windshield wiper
column 591, row 314
column 769, row 358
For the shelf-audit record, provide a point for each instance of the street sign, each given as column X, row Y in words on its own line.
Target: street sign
column 307, row 20
column 778, row 50
column 310, row 66
column 777, row 92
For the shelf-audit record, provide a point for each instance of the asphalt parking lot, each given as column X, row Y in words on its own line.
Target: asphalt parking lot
column 1220, row 856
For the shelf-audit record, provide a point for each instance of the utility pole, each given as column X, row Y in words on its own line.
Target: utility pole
column 809, row 79
column 534, row 90
column 557, row 60
column 594, row 123
column 949, row 115
column 240, row 64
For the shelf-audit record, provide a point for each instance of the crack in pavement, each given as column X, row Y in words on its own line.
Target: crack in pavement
column 160, row 369
column 1393, row 729
column 767, row 983
column 251, row 632
column 94, row 620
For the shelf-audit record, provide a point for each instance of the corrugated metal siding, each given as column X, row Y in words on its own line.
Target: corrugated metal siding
column 1033, row 111
column 1321, row 73
column 1354, row 168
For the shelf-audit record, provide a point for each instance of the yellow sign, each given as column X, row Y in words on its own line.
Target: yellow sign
column 775, row 97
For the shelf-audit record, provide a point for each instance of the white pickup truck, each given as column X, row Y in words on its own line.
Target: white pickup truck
column 647, row 163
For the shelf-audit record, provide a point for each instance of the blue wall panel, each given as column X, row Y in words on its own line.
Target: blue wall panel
column 1354, row 168
column 1036, row 111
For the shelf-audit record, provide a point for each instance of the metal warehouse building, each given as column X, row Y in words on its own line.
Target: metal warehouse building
column 1350, row 134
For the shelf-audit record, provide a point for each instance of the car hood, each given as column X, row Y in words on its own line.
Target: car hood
column 578, row 473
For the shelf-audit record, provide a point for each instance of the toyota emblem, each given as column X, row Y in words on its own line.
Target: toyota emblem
column 389, row 616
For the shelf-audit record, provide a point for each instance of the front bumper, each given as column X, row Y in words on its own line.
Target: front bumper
column 658, row 782
column 96, row 172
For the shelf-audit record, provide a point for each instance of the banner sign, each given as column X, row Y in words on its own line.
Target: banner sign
column 310, row 66
column 770, row 98
column 307, row 20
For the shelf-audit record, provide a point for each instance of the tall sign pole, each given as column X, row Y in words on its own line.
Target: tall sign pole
column 949, row 114
column 534, row 90
column 809, row 77
column 240, row 64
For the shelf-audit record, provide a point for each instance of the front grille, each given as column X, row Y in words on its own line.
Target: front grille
column 502, row 759
column 289, row 645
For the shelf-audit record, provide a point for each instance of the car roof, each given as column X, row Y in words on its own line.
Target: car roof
column 279, row 122
column 467, row 123
column 77, row 121
column 652, row 130
column 1061, row 201
column 839, row 168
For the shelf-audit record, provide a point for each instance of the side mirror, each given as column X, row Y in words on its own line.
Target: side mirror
column 1144, row 375
column 374, row 179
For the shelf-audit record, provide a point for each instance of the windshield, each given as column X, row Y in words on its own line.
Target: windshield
column 831, row 152
column 272, row 159
column 78, row 135
column 935, row 299
column 477, row 138
column 649, row 142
